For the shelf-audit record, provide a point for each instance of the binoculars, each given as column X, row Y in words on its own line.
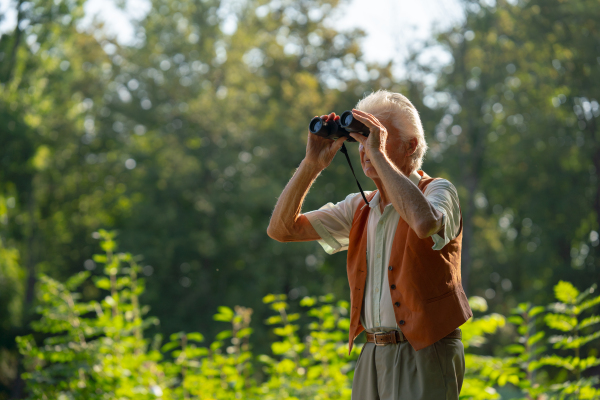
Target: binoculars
column 336, row 129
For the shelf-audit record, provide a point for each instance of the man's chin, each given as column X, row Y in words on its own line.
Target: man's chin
column 369, row 173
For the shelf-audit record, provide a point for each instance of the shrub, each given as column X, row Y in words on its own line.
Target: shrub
column 97, row 349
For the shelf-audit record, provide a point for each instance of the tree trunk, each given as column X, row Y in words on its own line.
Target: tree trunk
column 17, row 41
column 592, row 126
column 31, row 259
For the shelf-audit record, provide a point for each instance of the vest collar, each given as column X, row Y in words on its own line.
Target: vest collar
column 415, row 177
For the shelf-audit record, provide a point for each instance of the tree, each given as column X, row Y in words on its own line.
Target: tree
column 523, row 163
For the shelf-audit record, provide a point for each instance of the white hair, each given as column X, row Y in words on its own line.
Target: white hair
column 400, row 112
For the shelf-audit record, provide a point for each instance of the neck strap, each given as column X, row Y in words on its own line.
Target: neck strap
column 352, row 169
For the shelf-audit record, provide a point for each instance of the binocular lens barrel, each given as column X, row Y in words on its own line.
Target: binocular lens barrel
column 316, row 124
column 353, row 125
column 335, row 129
column 347, row 120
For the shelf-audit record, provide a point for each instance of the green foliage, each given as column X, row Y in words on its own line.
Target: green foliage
column 93, row 350
column 522, row 366
column 566, row 316
column 508, row 128
column 182, row 140
column 97, row 349
column 517, row 367
column 317, row 366
column 11, row 285
column 482, row 372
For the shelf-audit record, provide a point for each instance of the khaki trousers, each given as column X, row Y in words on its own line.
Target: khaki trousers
column 398, row 372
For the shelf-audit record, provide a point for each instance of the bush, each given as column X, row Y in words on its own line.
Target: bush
column 97, row 350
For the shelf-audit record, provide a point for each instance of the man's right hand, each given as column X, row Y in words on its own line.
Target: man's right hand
column 320, row 151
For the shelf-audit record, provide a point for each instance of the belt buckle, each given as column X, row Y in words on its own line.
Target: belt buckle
column 375, row 336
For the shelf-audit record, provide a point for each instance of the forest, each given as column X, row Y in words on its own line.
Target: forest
column 175, row 147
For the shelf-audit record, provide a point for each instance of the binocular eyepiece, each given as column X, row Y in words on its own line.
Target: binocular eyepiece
column 336, row 129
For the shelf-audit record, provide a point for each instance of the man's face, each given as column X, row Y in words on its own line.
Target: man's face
column 395, row 149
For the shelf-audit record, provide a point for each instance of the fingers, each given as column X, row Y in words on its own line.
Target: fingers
column 368, row 119
column 337, row 144
column 330, row 117
column 359, row 138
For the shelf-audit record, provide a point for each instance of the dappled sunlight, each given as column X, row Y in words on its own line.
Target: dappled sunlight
column 181, row 138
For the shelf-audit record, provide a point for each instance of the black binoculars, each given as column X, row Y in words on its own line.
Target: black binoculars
column 336, row 129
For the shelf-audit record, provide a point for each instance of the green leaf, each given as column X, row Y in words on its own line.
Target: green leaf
column 589, row 303
column 583, row 340
column 586, row 293
column 474, row 329
column 169, row 346
column 286, row 367
column 515, row 349
column 502, row 380
column 280, row 347
column 594, row 319
column 554, row 361
column 586, row 363
column 293, row 317
column 344, row 324
column 328, row 298
column 478, row 303
column 103, row 283
column 100, row 258
column 561, row 322
column 514, row 379
column 225, row 314
column 536, row 310
column 566, row 292
column 224, row 335
column 515, row 319
column 285, row 330
column 268, row 298
column 265, row 359
column 244, row 332
column 176, row 336
column 308, row 301
column 535, row 338
column 521, row 308
column 76, row 280
column 279, row 305
column 275, row 319
column 195, row 336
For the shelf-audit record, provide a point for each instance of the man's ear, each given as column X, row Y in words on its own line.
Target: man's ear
column 411, row 147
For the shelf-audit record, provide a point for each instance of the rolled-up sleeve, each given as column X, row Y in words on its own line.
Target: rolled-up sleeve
column 333, row 223
column 443, row 196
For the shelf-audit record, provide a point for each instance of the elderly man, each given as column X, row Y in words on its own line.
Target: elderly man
column 404, row 253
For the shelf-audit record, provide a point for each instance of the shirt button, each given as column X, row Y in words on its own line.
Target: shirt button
column 401, row 322
column 376, row 290
column 393, row 287
column 398, row 305
column 390, row 268
column 378, row 255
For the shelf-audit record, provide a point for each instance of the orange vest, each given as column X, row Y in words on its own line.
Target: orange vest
column 428, row 297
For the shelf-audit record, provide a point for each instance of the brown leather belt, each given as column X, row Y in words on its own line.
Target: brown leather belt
column 393, row 337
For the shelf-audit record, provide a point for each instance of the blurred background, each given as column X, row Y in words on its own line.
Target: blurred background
column 178, row 123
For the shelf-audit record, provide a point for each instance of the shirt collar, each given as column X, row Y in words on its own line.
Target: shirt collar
column 415, row 177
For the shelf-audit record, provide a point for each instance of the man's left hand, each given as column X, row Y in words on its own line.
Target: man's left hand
column 375, row 142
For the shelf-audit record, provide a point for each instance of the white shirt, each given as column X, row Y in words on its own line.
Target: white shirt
column 333, row 224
